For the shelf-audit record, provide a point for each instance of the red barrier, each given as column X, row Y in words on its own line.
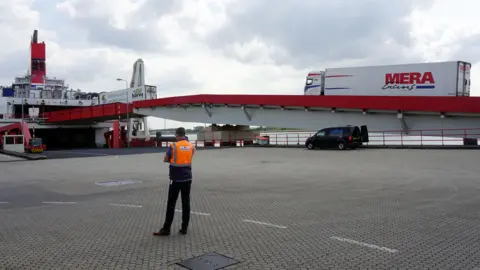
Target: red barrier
column 390, row 103
column 90, row 112
column 79, row 113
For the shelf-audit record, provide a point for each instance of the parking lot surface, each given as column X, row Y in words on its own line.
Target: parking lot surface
column 7, row 158
column 100, row 152
column 267, row 208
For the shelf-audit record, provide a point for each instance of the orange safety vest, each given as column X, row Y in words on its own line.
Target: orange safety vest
column 182, row 153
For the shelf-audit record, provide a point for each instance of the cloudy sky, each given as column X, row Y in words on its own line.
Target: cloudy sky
column 232, row 46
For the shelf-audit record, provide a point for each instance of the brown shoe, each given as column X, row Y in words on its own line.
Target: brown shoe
column 162, row 232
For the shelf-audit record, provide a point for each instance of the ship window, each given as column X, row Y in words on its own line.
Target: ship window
column 309, row 81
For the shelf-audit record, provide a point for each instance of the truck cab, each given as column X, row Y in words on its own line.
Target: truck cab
column 314, row 83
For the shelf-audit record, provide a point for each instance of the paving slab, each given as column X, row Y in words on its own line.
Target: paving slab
column 267, row 208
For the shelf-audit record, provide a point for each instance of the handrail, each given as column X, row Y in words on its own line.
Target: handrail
column 383, row 138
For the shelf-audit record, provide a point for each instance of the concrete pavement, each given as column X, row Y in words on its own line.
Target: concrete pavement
column 7, row 158
column 267, row 208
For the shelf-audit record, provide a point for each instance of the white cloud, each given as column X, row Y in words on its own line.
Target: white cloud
column 441, row 31
column 231, row 46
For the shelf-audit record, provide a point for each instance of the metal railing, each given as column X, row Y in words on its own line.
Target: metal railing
column 423, row 137
column 26, row 116
column 437, row 137
column 391, row 137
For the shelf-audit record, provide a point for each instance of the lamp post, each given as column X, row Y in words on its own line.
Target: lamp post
column 128, row 115
column 23, row 103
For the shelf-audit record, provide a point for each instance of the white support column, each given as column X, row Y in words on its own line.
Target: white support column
column 129, row 130
column 100, row 137
column 403, row 122
column 146, row 128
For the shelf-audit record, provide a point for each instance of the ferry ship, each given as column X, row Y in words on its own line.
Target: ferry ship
column 30, row 98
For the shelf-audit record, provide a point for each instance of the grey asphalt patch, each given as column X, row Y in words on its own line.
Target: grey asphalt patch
column 27, row 196
column 99, row 152
column 117, row 183
column 342, row 210
column 7, row 158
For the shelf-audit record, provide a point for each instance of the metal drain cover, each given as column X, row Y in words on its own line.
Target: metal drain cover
column 209, row 261
column 117, row 183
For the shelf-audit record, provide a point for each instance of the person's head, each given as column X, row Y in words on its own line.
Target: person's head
column 180, row 132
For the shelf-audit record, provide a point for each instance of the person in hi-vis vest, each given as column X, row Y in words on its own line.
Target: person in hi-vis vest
column 179, row 155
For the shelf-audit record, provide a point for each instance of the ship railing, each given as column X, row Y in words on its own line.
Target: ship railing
column 89, row 99
column 26, row 116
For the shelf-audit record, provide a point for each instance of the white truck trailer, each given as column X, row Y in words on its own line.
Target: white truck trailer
column 422, row 79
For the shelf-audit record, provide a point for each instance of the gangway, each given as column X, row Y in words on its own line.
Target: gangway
column 294, row 111
column 10, row 127
column 97, row 113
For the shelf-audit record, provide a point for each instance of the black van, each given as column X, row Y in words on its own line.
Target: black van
column 338, row 137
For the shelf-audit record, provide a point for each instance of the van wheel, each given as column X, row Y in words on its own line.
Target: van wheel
column 341, row 146
column 310, row 146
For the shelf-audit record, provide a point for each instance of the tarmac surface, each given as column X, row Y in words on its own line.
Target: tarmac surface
column 100, row 152
column 268, row 208
column 8, row 158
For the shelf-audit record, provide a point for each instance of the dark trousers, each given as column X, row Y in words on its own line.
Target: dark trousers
column 173, row 190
